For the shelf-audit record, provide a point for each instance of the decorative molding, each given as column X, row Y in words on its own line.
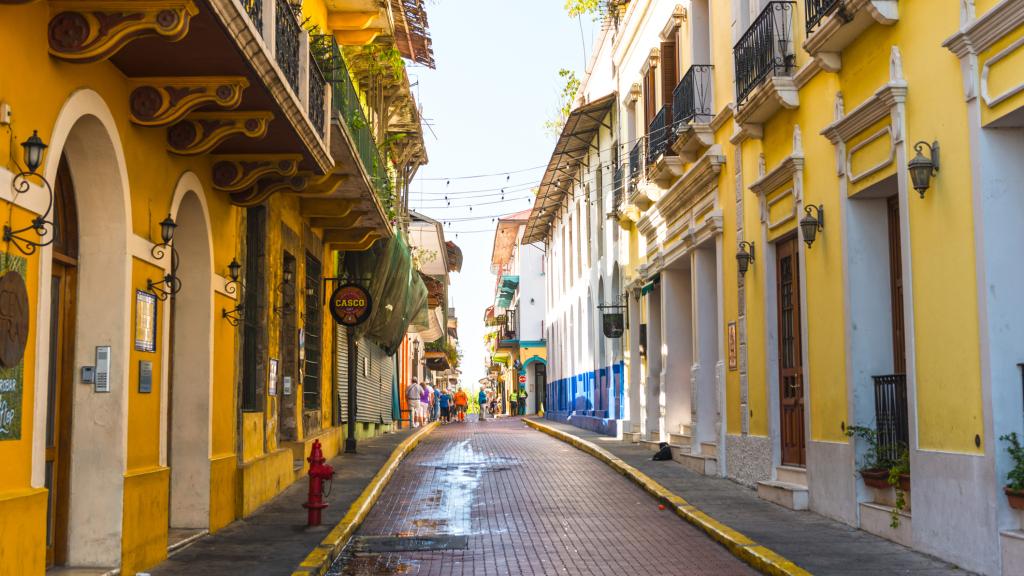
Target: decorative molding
column 723, row 116
column 777, row 199
column 765, row 101
column 844, row 25
column 203, row 131
column 652, row 59
column 885, row 131
column 981, row 34
column 700, row 180
column 634, row 93
column 236, row 173
column 163, row 101
column 992, row 101
column 869, row 112
column 692, row 139
column 92, row 30
column 674, row 21
column 306, row 184
column 808, row 71
column 789, row 170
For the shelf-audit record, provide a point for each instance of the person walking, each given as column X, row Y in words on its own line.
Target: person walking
column 522, row 401
column 425, row 403
column 445, row 402
column 413, row 394
column 435, row 405
column 461, row 401
column 481, row 398
column 513, row 402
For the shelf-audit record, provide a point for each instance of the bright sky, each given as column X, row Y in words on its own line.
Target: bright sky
column 495, row 85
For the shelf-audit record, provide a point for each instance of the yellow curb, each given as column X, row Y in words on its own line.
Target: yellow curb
column 320, row 559
column 760, row 557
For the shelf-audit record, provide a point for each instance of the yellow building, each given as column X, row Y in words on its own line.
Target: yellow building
column 789, row 276
column 208, row 164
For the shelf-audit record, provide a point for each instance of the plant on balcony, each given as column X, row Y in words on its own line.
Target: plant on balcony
column 899, row 479
column 1014, row 488
column 454, row 356
column 435, row 346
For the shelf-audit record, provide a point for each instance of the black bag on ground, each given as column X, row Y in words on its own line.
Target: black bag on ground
column 663, row 453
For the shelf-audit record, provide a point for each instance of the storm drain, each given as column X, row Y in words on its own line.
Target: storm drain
column 393, row 544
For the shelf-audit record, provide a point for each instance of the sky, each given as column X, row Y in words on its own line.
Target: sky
column 495, row 85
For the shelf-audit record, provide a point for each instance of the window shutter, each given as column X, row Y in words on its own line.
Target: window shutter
column 649, row 86
column 668, row 77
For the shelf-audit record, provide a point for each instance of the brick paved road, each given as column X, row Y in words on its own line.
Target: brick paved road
column 526, row 504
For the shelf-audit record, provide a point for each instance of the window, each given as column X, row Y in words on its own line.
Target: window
column 312, row 326
column 254, row 347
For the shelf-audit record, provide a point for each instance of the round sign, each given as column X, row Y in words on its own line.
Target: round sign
column 350, row 304
column 13, row 319
column 522, row 379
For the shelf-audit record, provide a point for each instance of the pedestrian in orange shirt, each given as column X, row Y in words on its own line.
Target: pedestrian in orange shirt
column 461, row 401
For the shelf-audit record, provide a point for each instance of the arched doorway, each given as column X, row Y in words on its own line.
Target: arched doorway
column 86, row 160
column 60, row 380
column 191, row 339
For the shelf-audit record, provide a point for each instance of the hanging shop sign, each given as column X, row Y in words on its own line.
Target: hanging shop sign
column 613, row 324
column 350, row 304
column 13, row 337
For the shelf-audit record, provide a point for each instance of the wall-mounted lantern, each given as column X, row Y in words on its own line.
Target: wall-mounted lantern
column 171, row 284
column 811, row 223
column 744, row 256
column 232, row 288
column 33, row 149
column 922, row 168
column 286, row 289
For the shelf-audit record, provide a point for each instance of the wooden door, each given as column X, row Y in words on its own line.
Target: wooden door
column 60, row 382
column 791, row 389
column 899, row 347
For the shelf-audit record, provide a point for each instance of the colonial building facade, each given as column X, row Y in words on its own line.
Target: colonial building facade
column 802, row 269
column 212, row 168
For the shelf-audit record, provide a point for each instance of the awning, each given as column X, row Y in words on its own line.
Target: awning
column 399, row 295
column 573, row 146
column 506, row 290
column 650, row 285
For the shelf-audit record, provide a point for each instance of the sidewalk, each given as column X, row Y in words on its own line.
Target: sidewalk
column 274, row 540
column 815, row 543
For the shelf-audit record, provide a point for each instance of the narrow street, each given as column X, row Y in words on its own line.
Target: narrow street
column 499, row 498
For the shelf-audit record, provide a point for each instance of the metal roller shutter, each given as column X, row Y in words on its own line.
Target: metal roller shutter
column 341, row 370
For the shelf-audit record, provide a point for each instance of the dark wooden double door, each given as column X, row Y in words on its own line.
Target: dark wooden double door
column 791, row 383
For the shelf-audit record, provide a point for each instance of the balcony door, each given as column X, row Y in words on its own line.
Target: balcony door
column 791, row 389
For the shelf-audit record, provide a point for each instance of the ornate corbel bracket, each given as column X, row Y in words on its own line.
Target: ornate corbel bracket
column 201, row 132
column 163, row 101
column 236, row 173
column 91, row 30
column 267, row 187
column 324, row 185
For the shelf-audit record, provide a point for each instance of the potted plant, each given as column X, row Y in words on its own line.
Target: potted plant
column 1014, row 490
column 874, row 468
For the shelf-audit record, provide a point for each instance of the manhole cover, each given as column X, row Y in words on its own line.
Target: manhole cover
column 389, row 544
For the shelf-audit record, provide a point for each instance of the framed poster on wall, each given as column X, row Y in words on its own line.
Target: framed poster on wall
column 145, row 321
column 272, row 380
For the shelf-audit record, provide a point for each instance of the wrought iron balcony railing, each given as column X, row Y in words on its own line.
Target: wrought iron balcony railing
column 317, row 93
column 287, row 40
column 617, row 192
column 691, row 100
column 766, row 48
column 891, row 416
column 658, row 136
column 350, row 113
column 816, row 10
column 254, row 8
column 636, row 159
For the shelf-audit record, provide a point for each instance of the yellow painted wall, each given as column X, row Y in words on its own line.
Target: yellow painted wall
column 23, row 531
column 144, row 539
column 224, row 493
column 144, row 409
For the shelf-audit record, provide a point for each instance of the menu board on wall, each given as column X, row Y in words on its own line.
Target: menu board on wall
column 145, row 321
column 12, row 375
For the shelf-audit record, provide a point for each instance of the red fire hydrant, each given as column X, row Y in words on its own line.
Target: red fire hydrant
column 318, row 472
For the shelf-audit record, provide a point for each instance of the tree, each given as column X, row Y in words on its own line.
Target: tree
column 566, row 98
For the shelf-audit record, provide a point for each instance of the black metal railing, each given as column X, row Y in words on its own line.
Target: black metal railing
column 816, row 10
column 317, row 93
column 287, row 40
column 766, row 48
column 658, row 136
column 636, row 158
column 891, row 417
column 618, row 178
column 510, row 329
column 254, row 8
column 691, row 100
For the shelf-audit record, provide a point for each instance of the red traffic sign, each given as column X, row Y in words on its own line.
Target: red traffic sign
column 350, row 305
column 522, row 379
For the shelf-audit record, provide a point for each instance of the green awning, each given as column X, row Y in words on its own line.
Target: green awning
column 650, row 285
column 399, row 295
column 506, row 289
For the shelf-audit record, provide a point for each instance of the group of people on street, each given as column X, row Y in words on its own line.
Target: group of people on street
column 429, row 404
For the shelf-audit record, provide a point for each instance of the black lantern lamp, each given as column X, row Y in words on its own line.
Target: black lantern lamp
column 922, row 168
column 33, row 150
column 286, row 289
column 745, row 257
column 233, row 287
column 811, row 223
column 171, row 284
